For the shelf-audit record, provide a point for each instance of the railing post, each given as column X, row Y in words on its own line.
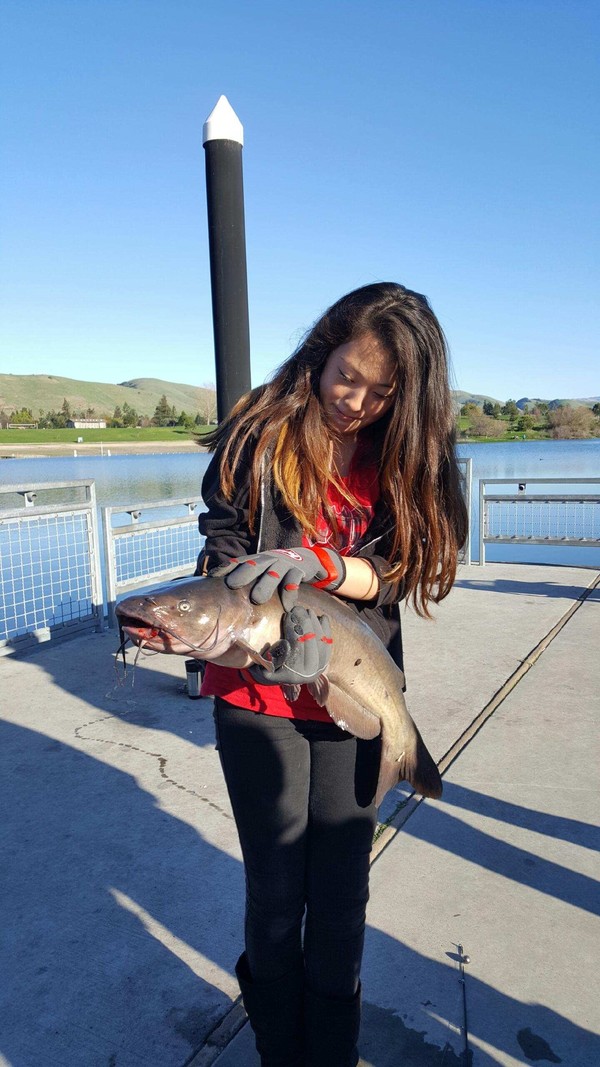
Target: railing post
column 465, row 466
column 110, row 567
column 481, row 522
column 95, row 565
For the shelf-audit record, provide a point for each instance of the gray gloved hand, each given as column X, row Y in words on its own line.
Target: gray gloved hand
column 303, row 653
column 285, row 569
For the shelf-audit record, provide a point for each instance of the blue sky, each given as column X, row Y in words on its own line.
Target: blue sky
column 451, row 145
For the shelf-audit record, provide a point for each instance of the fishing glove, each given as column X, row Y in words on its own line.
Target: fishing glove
column 285, row 568
column 302, row 654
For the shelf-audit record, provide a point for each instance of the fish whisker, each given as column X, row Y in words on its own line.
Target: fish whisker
column 210, row 643
column 123, row 641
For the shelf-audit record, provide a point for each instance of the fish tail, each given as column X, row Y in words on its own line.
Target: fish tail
column 419, row 768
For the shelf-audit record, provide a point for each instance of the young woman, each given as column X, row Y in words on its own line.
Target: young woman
column 340, row 472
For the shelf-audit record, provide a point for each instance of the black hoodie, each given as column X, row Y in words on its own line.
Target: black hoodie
column 225, row 525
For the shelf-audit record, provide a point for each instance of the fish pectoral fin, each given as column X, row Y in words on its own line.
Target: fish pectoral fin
column 351, row 716
column 255, row 656
column 291, row 692
column 319, row 690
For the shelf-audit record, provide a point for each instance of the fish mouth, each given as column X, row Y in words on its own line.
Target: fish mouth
column 151, row 637
column 154, row 636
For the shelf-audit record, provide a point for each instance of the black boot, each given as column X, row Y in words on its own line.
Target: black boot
column 276, row 1013
column 331, row 1032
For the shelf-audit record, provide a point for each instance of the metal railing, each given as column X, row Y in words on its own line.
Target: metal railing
column 50, row 583
column 139, row 553
column 466, row 469
column 50, row 568
column 545, row 518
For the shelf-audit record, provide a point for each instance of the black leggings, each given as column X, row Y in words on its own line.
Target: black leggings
column 302, row 796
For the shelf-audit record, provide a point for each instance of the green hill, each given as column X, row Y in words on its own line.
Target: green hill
column 526, row 403
column 460, row 397
column 46, row 392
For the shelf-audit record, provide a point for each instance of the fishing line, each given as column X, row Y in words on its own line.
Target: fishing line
column 122, row 650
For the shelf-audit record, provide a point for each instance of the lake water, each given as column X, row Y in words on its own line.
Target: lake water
column 123, row 480
column 118, row 479
column 518, row 461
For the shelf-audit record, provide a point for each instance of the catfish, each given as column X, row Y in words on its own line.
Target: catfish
column 361, row 687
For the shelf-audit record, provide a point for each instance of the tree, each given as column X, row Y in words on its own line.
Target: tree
column 130, row 415
column 484, row 426
column 185, row 420
column 511, row 410
column 208, row 404
column 58, row 419
column 572, row 422
column 469, row 409
column 66, row 409
column 526, row 422
column 492, row 408
column 23, row 415
column 163, row 415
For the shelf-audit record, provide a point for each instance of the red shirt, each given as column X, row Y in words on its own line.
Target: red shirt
column 237, row 687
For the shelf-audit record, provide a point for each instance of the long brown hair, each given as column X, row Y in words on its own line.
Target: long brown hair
column 419, row 477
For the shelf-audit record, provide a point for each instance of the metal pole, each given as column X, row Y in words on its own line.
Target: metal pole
column 223, row 138
column 462, row 959
column 481, row 522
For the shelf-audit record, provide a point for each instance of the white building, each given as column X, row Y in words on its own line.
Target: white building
column 86, row 424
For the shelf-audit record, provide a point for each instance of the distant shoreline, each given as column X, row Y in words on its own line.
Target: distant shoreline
column 55, row 449
column 93, row 448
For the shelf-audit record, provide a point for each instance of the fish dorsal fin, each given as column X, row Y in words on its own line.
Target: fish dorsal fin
column 319, row 690
column 254, row 655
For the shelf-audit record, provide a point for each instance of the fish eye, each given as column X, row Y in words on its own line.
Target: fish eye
column 184, row 605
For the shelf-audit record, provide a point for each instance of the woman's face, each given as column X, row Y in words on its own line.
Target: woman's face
column 358, row 384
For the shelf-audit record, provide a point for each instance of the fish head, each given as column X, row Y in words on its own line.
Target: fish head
column 197, row 617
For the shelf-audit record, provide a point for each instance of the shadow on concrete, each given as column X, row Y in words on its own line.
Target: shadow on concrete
column 586, row 835
column 487, row 851
column 104, row 885
column 528, row 588
column 116, row 913
column 497, row 1023
column 112, row 913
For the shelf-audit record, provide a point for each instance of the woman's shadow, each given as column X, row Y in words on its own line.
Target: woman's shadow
column 120, row 920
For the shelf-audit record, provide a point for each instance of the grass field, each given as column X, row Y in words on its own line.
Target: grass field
column 176, row 434
column 130, row 435
column 509, row 435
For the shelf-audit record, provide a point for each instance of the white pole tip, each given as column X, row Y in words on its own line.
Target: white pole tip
column 223, row 124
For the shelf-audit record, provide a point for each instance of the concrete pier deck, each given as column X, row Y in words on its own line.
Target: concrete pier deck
column 122, row 889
